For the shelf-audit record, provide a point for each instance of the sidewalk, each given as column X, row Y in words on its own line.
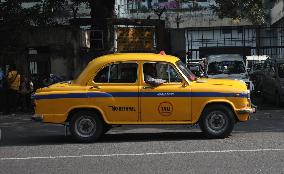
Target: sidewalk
column 9, row 120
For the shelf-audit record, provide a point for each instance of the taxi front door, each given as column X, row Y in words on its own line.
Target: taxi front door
column 169, row 101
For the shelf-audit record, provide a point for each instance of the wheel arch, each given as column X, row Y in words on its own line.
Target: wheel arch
column 98, row 111
column 224, row 103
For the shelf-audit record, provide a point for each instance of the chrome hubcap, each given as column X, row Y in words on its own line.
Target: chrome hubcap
column 216, row 121
column 85, row 126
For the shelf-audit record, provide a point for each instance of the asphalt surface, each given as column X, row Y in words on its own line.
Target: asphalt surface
column 256, row 146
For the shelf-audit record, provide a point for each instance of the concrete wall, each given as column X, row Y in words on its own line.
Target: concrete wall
column 63, row 44
column 187, row 19
column 58, row 49
column 59, row 66
column 181, row 15
column 178, row 43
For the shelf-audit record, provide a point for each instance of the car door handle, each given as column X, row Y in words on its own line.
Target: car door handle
column 147, row 87
column 95, row 87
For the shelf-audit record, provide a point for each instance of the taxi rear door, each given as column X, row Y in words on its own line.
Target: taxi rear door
column 115, row 91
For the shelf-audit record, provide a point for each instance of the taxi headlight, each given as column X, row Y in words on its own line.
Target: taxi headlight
column 248, row 94
column 248, row 98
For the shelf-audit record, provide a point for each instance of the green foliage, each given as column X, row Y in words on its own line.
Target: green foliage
column 251, row 10
column 75, row 6
column 12, row 13
column 43, row 13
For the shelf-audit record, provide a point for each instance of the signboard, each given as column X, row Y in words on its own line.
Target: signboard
column 135, row 38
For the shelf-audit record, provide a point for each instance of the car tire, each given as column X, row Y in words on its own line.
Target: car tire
column 86, row 126
column 217, row 121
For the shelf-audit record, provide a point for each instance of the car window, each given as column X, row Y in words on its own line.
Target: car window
column 161, row 71
column 102, row 76
column 173, row 74
column 281, row 70
column 117, row 73
column 185, row 70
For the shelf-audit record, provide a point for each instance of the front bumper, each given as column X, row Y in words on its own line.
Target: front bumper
column 248, row 110
column 37, row 118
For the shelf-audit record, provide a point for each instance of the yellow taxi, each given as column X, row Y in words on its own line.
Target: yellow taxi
column 141, row 89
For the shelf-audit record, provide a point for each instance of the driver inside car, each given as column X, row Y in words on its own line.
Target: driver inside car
column 149, row 71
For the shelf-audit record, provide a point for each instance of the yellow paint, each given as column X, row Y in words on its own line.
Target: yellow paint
column 134, row 109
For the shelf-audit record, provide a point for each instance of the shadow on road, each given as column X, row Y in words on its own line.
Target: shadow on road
column 24, row 138
column 21, row 131
column 57, row 139
column 161, row 136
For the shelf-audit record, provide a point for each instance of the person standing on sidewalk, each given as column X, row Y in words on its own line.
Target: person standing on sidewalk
column 2, row 90
column 13, row 79
column 26, row 89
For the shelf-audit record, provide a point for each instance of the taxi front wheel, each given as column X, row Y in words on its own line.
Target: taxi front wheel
column 86, row 126
column 217, row 121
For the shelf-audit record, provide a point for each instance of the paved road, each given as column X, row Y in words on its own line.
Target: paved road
column 256, row 146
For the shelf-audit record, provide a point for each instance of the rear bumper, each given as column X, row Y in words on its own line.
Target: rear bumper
column 37, row 118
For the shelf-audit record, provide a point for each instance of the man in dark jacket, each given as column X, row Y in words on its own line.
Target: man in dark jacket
column 2, row 90
column 13, row 79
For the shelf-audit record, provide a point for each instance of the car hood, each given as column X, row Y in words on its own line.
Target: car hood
column 219, row 85
column 229, row 76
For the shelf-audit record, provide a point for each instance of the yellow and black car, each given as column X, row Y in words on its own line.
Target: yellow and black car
column 140, row 89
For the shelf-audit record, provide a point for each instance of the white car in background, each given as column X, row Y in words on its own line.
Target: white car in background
column 230, row 66
column 255, row 62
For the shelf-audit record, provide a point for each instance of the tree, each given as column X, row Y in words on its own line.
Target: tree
column 42, row 13
column 12, row 13
column 15, row 19
column 100, row 9
column 251, row 10
column 12, row 23
column 75, row 6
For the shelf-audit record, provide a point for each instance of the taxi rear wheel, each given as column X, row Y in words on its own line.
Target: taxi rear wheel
column 217, row 121
column 86, row 126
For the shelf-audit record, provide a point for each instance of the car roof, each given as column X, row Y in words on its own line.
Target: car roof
column 257, row 57
column 224, row 57
column 134, row 57
column 97, row 63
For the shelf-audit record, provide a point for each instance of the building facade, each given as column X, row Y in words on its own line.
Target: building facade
column 48, row 50
column 276, row 14
column 195, row 30
column 184, row 28
column 52, row 49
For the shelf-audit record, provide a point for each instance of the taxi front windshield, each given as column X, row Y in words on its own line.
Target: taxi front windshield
column 186, row 71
